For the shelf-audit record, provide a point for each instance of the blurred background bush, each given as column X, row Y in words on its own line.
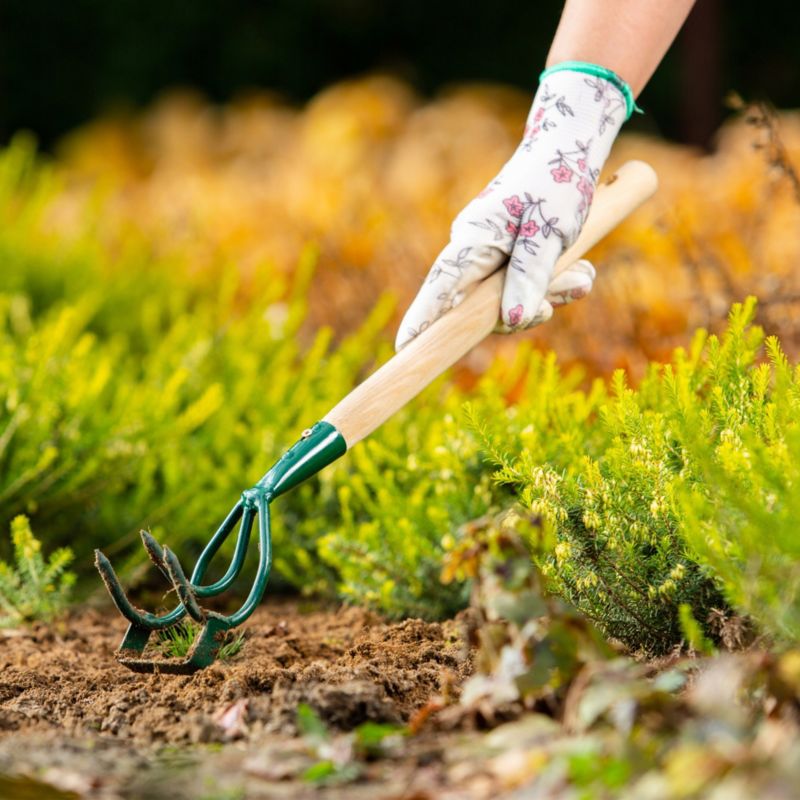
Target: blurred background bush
column 63, row 63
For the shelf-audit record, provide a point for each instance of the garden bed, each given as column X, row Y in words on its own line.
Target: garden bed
column 347, row 664
column 75, row 724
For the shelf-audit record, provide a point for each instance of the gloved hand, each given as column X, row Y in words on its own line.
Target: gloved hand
column 534, row 209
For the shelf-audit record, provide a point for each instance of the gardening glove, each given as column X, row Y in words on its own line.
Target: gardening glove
column 534, row 208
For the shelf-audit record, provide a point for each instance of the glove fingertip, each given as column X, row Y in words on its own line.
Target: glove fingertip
column 518, row 318
column 543, row 314
column 586, row 267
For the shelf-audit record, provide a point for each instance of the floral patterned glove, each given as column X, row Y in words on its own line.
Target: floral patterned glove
column 535, row 207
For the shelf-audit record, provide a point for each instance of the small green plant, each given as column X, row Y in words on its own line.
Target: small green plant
column 175, row 642
column 339, row 757
column 32, row 588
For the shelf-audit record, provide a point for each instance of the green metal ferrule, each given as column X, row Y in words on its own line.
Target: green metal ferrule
column 316, row 448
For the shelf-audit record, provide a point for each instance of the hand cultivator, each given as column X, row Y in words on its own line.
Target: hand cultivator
column 356, row 416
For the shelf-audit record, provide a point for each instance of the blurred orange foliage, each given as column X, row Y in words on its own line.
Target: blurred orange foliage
column 374, row 175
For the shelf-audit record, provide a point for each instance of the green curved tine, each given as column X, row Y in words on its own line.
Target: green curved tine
column 154, row 551
column 181, row 583
column 262, row 500
column 142, row 619
column 255, row 498
column 157, row 554
column 239, row 554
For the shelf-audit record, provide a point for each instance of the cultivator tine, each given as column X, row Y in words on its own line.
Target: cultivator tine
column 214, row 626
column 261, row 501
column 183, row 587
column 155, row 552
column 141, row 619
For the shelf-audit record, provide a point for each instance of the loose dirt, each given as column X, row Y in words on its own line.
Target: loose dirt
column 76, row 725
column 348, row 664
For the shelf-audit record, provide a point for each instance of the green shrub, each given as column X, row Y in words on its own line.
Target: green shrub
column 401, row 493
column 137, row 394
column 741, row 521
column 98, row 443
column 133, row 396
column 665, row 501
column 668, row 495
column 32, row 588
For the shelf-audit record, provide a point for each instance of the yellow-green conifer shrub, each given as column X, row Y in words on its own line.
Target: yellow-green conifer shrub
column 32, row 588
column 403, row 495
column 630, row 482
column 742, row 520
column 400, row 495
column 134, row 396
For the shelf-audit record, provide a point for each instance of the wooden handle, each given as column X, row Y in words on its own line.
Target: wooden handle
column 454, row 334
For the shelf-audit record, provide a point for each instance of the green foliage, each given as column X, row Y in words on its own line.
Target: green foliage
column 741, row 521
column 402, row 491
column 97, row 440
column 660, row 497
column 339, row 758
column 136, row 392
column 129, row 398
column 32, row 588
column 175, row 642
column 597, row 466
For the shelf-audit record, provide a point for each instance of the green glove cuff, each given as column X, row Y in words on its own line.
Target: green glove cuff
column 598, row 72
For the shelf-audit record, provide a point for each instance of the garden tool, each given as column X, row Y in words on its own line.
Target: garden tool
column 363, row 410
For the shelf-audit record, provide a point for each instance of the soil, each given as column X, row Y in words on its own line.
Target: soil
column 76, row 725
column 348, row 664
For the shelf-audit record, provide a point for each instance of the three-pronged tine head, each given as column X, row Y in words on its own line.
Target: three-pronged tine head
column 318, row 447
column 214, row 626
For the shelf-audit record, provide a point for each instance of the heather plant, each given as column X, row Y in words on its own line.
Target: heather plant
column 158, row 417
column 630, row 493
column 136, row 394
column 400, row 494
column 33, row 588
column 98, row 443
column 741, row 522
column 403, row 495
column 136, row 391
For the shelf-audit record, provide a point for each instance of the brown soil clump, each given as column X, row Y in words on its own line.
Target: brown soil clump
column 349, row 665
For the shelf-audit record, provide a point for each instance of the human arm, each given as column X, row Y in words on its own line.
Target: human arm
column 629, row 37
